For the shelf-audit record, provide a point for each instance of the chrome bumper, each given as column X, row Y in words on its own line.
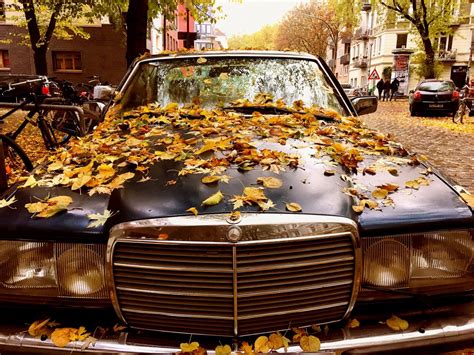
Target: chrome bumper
column 432, row 330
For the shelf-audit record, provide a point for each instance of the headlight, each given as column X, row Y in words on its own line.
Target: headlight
column 419, row 260
column 49, row 269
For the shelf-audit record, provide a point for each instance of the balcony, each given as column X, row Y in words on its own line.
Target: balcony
column 360, row 62
column 344, row 60
column 447, row 56
column 362, row 33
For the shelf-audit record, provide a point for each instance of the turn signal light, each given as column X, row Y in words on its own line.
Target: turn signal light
column 45, row 90
column 417, row 95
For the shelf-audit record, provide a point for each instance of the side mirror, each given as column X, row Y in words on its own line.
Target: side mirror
column 365, row 104
column 103, row 92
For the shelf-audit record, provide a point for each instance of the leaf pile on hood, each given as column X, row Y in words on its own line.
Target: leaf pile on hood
column 209, row 142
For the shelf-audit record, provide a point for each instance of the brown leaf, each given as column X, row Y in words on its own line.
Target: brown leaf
column 293, row 207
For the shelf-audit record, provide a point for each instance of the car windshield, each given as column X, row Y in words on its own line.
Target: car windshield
column 435, row 86
column 223, row 81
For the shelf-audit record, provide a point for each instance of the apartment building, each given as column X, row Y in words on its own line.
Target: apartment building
column 75, row 60
column 386, row 42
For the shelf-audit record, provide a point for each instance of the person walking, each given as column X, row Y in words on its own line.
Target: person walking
column 386, row 90
column 380, row 88
column 394, row 88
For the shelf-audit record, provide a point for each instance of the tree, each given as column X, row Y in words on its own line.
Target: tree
column 311, row 27
column 263, row 39
column 45, row 19
column 139, row 13
column 430, row 20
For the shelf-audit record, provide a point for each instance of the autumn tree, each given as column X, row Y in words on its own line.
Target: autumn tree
column 430, row 19
column 311, row 27
column 263, row 39
column 45, row 19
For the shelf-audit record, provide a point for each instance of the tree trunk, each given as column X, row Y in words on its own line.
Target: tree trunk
column 39, row 55
column 137, row 21
column 430, row 59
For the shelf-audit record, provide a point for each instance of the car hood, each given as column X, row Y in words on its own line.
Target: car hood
column 322, row 170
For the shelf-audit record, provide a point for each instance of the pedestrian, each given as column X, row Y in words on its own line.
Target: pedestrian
column 394, row 88
column 380, row 88
column 386, row 90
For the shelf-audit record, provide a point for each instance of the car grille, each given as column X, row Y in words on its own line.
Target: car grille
column 233, row 288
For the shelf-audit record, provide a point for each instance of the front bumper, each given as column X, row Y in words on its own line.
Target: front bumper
column 441, row 329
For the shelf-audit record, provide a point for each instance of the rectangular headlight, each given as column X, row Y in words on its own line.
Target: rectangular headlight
column 53, row 269
column 418, row 260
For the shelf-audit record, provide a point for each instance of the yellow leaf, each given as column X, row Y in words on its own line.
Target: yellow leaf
column 192, row 210
column 396, row 323
column 55, row 205
column 223, row 350
column 210, row 179
column 380, row 194
column 98, row 219
column 277, row 341
column 412, row 184
column 354, row 323
column 30, row 182
column 189, row 347
column 358, row 208
column 293, row 207
column 38, row 328
column 80, row 181
column 118, row 181
column 261, row 345
column 299, row 333
column 213, row 200
column 61, row 336
column 310, row 343
column 468, row 198
column 57, row 165
column 7, row 202
column 105, row 171
column 201, row 60
column 254, row 194
column 36, row 207
column 393, row 171
column 270, row 182
column 247, row 348
column 389, row 187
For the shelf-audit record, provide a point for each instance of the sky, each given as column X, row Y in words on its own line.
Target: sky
column 251, row 15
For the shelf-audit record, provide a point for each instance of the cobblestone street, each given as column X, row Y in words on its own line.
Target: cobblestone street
column 449, row 147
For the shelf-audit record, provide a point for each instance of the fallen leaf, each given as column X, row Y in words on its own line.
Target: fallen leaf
column 214, row 199
column 329, row 172
column 310, row 343
column 163, row 236
column 210, row 179
column 354, row 323
column 379, row 193
column 30, row 182
column 118, row 328
column 412, row 184
column 201, row 60
column 299, row 333
column 247, row 348
column 61, row 336
column 7, row 202
column 393, row 171
column 38, row 328
column 99, row 219
column 50, row 207
column 270, row 182
column 397, row 323
column 189, row 347
column 192, row 210
column 261, row 345
column 293, row 207
column 223, row 350
column 88, row 342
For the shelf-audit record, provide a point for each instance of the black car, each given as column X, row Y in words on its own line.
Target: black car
column 228, row 195
column 434, row 97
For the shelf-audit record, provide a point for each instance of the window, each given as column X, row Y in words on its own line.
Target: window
column 67, row 61
column 4, row 59
column 2, row 10
column 402, row 40
column 445, row 43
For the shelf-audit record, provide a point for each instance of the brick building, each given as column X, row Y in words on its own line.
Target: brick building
column 75, row 60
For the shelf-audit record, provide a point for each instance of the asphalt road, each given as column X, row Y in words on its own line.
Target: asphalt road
column 448, row 146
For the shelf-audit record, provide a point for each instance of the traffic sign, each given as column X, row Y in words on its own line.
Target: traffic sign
column 374, row 75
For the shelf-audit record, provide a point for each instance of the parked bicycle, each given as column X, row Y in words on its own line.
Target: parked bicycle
column 464, row 108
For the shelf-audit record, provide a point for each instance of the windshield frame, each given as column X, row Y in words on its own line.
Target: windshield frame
column 345, row 103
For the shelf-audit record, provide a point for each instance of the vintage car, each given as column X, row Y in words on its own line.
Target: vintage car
column 230, row 195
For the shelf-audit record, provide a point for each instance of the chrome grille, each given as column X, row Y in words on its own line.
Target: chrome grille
column 225, row 288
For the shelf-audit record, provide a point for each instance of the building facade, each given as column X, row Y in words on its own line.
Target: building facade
column 382, row 42
column 76, row 60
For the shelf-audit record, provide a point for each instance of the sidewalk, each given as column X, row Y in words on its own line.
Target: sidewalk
column 448, row 146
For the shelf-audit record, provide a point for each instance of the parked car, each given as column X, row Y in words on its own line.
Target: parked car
column 351, row 91
column 228, row 195
column 434, row 96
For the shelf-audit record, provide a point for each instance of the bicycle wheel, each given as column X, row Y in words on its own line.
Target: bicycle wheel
column 16, row 160
column 64, row 124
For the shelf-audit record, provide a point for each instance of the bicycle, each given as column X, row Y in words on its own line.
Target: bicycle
column 15, row 160
column 463, row 110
